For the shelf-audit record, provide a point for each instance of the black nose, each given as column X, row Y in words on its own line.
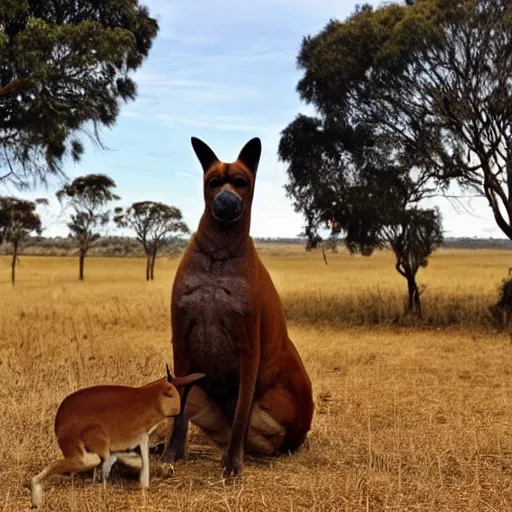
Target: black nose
column 226, row 206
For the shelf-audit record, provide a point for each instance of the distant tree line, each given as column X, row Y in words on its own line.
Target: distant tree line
column 65, row 68
column 89, row 198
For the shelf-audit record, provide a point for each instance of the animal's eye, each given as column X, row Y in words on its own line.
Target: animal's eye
column 241, row 183
column 214, row 183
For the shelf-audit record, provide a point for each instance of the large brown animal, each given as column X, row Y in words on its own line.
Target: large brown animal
column 228, row 322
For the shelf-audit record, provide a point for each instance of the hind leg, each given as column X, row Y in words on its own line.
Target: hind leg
column 265, row 435
column 95, row 441
column 273, row 425
column 131, row 459
column 279, row 422
column 107, row 466
column 83, row 462
column 209, row 417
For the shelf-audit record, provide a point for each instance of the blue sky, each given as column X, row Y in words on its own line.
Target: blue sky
column 224, row 71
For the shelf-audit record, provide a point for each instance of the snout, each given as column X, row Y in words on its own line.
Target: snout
column 227, row 206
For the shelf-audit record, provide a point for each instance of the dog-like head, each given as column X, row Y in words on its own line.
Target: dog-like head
column 228, row 187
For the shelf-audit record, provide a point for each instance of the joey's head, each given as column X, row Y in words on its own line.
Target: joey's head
column 171, row 403
column 228, row 187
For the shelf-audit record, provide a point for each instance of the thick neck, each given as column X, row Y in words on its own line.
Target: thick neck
column 222, row 241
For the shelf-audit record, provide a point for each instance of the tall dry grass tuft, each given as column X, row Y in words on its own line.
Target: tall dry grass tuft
column 458, row 287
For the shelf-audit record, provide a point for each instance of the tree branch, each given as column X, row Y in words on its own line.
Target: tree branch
column 10, row 87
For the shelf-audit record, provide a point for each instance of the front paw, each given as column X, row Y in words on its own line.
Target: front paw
column 232, row 465
column 166, row 470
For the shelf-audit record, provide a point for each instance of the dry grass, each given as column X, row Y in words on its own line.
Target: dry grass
column 406, row 419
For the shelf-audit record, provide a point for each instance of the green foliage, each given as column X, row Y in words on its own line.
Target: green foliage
column 65, row 66
column 433, row 79
column 89, row 197
column 347, row 172
column 414, row 236
column 154, row 223
column 18, row 219
column 347, row 178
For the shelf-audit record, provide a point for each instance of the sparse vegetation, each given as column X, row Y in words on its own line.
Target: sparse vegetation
column 406, row 418
column 501, row 311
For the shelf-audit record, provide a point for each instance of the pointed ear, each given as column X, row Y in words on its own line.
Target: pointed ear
column 204, row 153
column 169, row 374
column 186, row 382
column 250, row 154
column 180, row 382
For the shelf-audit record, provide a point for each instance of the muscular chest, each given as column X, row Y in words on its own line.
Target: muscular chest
column 210, row 291
column 212, row 302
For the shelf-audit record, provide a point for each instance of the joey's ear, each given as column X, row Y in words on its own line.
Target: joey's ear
column 169, row 374
column 204, row 153
column 250, row 154
column 180, row 382
column 186, row 382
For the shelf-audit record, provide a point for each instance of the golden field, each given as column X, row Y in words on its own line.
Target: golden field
column 409, row 417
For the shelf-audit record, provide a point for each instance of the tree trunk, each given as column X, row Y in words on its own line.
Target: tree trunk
column 148, row 265
column 10, row 87
column 14, row 261
column 81, row 261
column 323, row 254
column 509, row 180
column 414, row 301
column 153, row 260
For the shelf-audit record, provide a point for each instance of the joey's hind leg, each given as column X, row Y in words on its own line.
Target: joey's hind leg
column 75, row 463
column 131, row 459
column 96, row 441
column 107, row 466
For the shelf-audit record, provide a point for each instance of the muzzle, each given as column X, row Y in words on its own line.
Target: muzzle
column 227, row 207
